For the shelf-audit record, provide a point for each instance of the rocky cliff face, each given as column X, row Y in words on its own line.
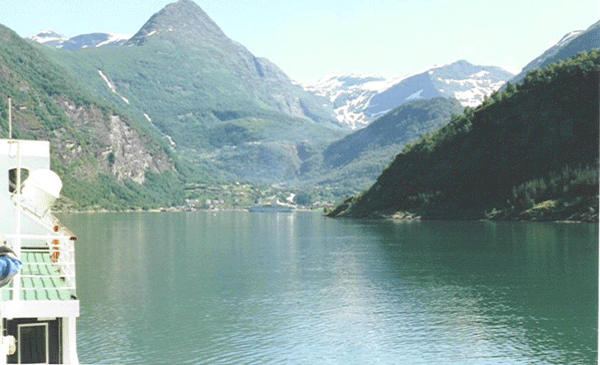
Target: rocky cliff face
column 217, row 103
column 117, row 149
column 99, row 149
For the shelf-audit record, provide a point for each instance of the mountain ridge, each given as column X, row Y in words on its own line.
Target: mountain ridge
column 53, row 39
column 353, row 162
column 359, row 99
column 227, row 111
column 104, row 155
column 237, row 116
column 528, row 152
column 178, row 17
column 568, row 46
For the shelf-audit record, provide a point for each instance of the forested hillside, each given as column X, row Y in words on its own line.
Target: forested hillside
column 354, row 162
column 105, row 156
column 528, row 152
column 232, row 115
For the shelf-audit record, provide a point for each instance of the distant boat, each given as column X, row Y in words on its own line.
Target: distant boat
column 275, row 207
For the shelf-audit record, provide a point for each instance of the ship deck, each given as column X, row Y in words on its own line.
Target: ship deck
column 40, row 279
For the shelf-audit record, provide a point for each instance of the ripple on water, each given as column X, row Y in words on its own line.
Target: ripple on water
column 314, row 291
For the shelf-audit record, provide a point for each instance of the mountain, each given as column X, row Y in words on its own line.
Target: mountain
column 255, row 82
column 49, row 37
column 94, row 40
column 106, row 157
column 230, row 113
column 354, row 162
column 403, row 124
column 184, row 22
column 358, row 100
column 528, row 152
column 349, row 94
column 569, row 45
column 53, row 39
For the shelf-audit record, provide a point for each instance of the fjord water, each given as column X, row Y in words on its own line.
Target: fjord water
column 260, row 288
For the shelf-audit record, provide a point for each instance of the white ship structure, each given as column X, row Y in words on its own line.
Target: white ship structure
column 39, row 305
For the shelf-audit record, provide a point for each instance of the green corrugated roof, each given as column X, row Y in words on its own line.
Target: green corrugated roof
column 47, row 283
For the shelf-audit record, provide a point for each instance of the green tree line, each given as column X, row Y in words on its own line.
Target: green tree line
column 531, row 142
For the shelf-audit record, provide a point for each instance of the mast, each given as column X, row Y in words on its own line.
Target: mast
column 17, row 244
column 9, row 119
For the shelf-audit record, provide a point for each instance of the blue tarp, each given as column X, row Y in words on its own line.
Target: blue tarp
column 9, row 265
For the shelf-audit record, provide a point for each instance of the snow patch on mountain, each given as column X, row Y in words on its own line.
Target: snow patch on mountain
column 350, row 95
column 112, row 86
column 82, row 41
column 555, row 50
column 358, row 99
column 114, row 38
column 414, row 96
column 46, row 36
column 480, row 74
column 471, row 92
column 567, row 38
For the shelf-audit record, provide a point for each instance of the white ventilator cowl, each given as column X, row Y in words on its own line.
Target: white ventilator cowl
column 41, row 189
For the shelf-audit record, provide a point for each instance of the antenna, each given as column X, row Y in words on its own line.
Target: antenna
column 9, row 119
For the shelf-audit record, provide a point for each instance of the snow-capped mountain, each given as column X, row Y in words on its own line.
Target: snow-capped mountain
column 349, row 95
column 95, row 40
column 51, row 38
column 359, row 99
column 567, row 47
column 554, row 49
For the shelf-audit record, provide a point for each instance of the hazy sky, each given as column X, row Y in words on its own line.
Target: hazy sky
column 311, row 38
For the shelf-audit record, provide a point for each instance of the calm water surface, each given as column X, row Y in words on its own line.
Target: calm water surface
column 248, row 288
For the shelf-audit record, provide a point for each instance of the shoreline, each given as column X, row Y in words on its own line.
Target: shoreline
column 582, row 209
column 391, row 218
column 170, row 210
column 398, row 216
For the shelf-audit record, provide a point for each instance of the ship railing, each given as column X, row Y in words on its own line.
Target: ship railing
column 48, row 271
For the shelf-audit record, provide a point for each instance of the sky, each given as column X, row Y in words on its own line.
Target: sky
column 309, row 39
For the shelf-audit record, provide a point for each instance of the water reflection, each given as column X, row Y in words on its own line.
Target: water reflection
column 533, row 286
column 298, row 288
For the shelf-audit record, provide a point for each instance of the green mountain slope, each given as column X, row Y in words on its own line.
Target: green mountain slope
column 354, row 162
column 397, row 127
column 529, row 152
column 587, row 40
column 562, row 51
column 222, row 108
column 105, row 156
